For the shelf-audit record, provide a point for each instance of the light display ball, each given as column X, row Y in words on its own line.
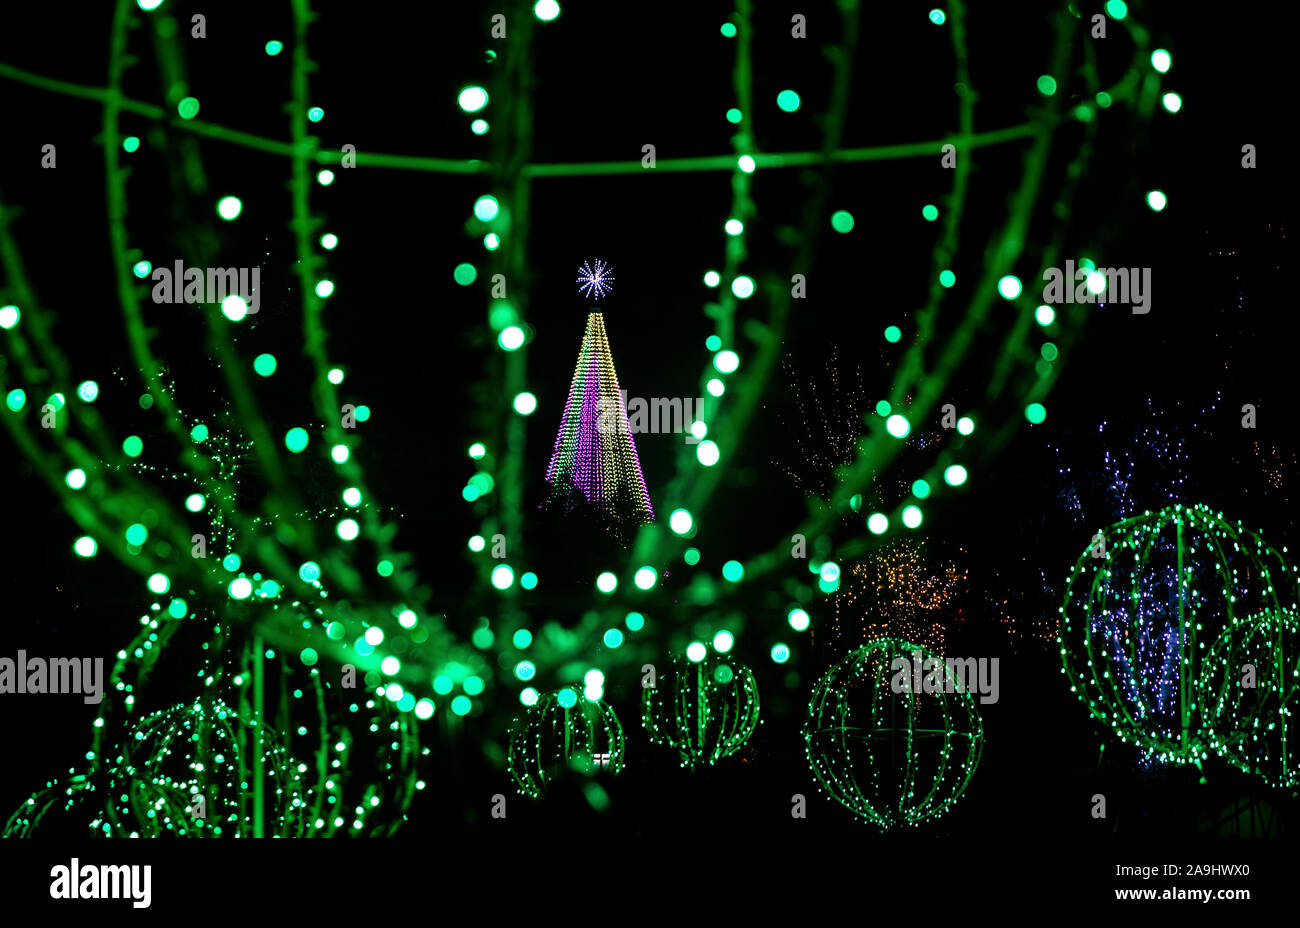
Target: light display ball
column 894, row 753
column 1252, row 685
column 564, row 731
column 705, row 710
column 1145, row 602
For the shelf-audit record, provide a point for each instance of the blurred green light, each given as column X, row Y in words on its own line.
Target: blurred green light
column 75, row 478
column 528, row 580
column 893, row 333
column 188, row 108
column 695, row 651
column 798, row 619
column 734, row 116
column 229, row 208
column 780, row 653
column 691, row 556
column 882, row 408
column 1116, row 9
column 723, row 641
column 715, row 387
column 877, row 523
column 85, row 546
column 9, row 316
column 348, row 529
column 1009, row 287
column 898, row 426
column 607, row 582
column 465, row 274
column 947, row 278
column 315, row 114
column 296, row 439
column 546, row 10
column 1049, row 351
column 645, row 578
column 955, row 475
column 479, row 127
column 937, row 17
column 1161, row 60
column 159, row 584
column 1035, row 413
column 634, row 621
column 729, row 30
column 733, row 227
column 274, row 47
column 16, row 399
column 712, row 278
column 680, row 521
column 746, row 164
column 194, row 502
column 911, row 516
column 788, row 101
column 502, row 576
column 726, row 361
column 706, row 452
column 733, row 571
column 965, row 425
column 133, row 446
column 842, row 221
column 264, row 364
column 930, row 212
column 921, row 488
column 525, row 404
column 613, row 638
column 472, row 99
column 486, row 208
column 1047, row 85
column 1172, row 102
column 1045, row 315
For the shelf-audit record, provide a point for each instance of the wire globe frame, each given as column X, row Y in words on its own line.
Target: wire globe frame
column 705, row 710
column 1252, row 726
column 896, row 759
column 1144, row 603
column 564, row 731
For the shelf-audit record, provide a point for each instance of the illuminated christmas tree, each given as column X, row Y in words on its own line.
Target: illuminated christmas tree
column 594, row 466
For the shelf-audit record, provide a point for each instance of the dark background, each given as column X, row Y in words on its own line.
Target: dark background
column 611, row 77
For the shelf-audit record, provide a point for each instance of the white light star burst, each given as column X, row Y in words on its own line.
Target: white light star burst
column 595, row 280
